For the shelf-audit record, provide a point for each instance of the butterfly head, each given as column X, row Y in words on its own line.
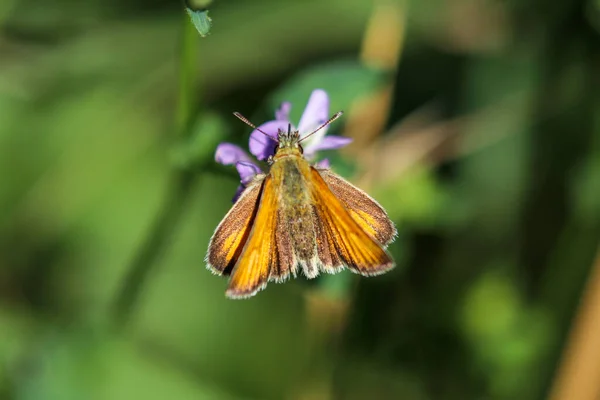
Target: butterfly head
column 288, row 141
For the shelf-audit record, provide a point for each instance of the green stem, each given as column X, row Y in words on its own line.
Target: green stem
column 188, row 88
column 148, row 255
column 178, row 190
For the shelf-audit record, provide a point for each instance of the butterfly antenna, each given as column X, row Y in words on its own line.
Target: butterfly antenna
column 330, row 120
column 250, row 124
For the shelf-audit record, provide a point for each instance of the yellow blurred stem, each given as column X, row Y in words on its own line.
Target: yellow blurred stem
column 327, row 314
column 326, row 317
column 578, row 375
column 384, row 38
column 381, row 48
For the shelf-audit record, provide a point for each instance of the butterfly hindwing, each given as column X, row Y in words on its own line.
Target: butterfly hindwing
column 362, row 207
column 346, row 239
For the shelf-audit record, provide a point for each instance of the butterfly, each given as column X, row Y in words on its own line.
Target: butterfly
column 298, row 217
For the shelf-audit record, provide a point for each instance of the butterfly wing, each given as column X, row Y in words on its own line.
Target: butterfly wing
column 346, row 239
column 230, row 236
column 371, row 217
column 259, row 255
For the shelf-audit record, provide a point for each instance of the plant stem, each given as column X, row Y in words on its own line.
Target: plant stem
column 148, row 255
column 178, row 189
column 188, row 88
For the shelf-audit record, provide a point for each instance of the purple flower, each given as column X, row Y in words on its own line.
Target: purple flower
column 262, row 147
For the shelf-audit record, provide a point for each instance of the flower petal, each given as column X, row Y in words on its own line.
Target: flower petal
column 323, row 164
column 315, row 114
column 262, row 146
column 247, row 171
column 238, row 193
column 229, row 154
column 283, row 113
column 330, row 142
column 316, row 111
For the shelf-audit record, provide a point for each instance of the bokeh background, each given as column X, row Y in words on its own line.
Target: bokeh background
column 476, row 124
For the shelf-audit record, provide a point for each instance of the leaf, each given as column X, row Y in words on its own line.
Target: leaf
column 89, row 364
column 418, row 199
column 202, row 22
column 208, row 131
column 343, row 80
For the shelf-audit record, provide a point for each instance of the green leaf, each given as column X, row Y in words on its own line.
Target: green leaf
column 87, row 364
column 418, row 199
column 201, row 21
column 586, row 186
column 209, row 130
column 344, row 81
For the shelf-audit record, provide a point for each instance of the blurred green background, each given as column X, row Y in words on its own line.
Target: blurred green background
column 477, row 126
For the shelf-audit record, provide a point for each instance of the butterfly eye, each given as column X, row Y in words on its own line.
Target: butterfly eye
column 300, row 148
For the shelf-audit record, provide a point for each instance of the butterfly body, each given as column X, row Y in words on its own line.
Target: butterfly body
column 298, row 218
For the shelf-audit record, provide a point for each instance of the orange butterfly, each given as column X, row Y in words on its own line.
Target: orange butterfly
column 298, row 217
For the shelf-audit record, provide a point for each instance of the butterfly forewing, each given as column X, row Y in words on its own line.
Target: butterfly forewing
column 259, row 255
column 363, row 208
column 231, row 234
